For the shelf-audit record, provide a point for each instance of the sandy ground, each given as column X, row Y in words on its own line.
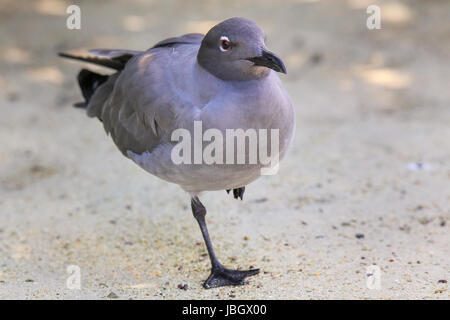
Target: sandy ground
column 366, row 183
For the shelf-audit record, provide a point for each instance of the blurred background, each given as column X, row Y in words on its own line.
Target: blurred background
column 367, row 181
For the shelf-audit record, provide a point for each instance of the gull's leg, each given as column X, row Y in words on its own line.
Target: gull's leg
column 220, row 276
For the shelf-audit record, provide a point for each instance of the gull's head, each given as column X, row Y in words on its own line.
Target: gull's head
column 235, row 50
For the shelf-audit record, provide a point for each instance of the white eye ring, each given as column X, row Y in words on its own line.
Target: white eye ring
column 223, row 40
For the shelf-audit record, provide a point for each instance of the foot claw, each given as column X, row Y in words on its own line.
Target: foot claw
column 238, row 193
column 226, row 277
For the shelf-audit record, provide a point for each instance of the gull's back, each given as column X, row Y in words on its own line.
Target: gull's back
column 141, row 104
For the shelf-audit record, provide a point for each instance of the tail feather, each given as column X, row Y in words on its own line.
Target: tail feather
column 89, row 81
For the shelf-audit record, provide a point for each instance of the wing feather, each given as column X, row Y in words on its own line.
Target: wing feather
column 137, row 105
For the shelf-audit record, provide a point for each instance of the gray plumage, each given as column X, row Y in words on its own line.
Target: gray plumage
column 189, row 78
column 225, row 80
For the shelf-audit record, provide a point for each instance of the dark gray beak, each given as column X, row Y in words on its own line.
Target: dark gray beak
column 269, row 60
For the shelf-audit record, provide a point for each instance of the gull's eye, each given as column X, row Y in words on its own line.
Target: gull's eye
column 225, row 43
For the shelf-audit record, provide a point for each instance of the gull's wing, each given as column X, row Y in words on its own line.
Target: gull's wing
column 118, row 58
column 140, row 105
column 114, row 59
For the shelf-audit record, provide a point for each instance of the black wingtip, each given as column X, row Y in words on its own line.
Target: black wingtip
column 80, row 105
column 67, row 55
column 100, row 61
